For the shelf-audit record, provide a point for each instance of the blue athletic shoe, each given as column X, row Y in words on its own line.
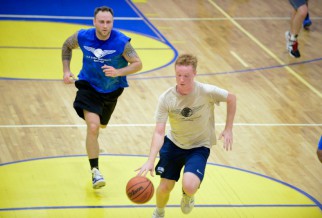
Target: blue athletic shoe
column 307, row 22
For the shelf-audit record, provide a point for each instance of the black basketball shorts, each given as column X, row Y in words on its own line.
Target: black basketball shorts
column 87, row 98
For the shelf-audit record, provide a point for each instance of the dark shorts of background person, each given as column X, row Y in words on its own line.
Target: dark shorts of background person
column 87, row 98
column 173, row 158
column 297, row 3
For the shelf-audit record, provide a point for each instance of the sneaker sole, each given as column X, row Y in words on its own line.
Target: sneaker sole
column 293, row 55
column 185, row 210
column 99, row 184
column 307, row 27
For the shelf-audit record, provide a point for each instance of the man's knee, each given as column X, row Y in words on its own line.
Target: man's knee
column 190, row 183
column 166, row 186
column 302, row 10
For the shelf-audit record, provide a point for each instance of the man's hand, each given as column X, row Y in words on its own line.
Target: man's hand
column 69, row 78
column 110, row 71
column 145, row 168
column 227, row 135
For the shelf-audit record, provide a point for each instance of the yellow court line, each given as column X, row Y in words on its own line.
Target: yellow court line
column 239, row 58
column 289, row 70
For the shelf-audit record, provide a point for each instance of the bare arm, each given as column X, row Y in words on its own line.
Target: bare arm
column 156, row 144
column 70, row 44
column 319, row 153
column 227, row 134
column 134, row 66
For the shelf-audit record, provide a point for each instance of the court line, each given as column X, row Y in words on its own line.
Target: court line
column 239, row 58
column 150, row 18
column 132, row 76
column 59, row 48
column 317, row 203
column 152, row 125
column 224, row 18
column 153, row 206
column 261, row 45
column 61, row 17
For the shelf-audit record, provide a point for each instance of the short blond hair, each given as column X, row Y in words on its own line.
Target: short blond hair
column 187, row 60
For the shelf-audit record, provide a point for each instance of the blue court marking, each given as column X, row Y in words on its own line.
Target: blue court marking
column 153, row 206
column 250, row 70
column 130, row 77
column 126, row 16
column 317, row 203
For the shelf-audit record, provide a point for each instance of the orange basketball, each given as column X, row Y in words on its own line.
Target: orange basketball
column 139, row 189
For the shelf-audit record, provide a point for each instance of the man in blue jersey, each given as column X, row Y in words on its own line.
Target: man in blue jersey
column 108, row 57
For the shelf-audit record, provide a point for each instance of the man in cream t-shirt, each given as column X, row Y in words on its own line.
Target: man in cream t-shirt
column 190, row 108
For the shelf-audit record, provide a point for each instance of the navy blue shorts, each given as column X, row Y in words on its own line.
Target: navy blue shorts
column 87, row 98
column 297, row 3
column 173, row 158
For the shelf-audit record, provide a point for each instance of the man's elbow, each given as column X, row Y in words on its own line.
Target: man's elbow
column 140, row 65
column 231, row 98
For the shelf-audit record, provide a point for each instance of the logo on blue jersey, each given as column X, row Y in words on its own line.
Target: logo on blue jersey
column 99, row 53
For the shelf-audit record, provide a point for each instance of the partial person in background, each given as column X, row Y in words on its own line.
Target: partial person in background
column 108, row 57
column 319, row 151
column 297, row 19
column 190, row 108
column 307, row 21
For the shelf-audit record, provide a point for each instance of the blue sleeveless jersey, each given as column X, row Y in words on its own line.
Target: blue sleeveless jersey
column 98, row 52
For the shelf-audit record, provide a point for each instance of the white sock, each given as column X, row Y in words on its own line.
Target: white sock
column 293, row 37
column 160, row 210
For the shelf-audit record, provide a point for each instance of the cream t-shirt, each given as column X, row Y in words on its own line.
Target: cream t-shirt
column 192, row 116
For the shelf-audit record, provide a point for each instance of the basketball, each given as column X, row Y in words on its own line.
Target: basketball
column 139, row 189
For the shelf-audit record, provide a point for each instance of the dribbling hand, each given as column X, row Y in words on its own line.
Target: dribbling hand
column 145, row 168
